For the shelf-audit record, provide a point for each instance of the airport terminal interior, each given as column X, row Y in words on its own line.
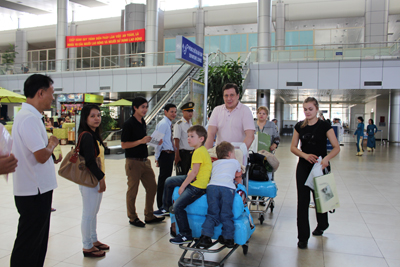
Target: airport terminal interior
column 345, row 53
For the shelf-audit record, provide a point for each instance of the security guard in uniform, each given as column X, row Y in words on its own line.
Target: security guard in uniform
column 183, row 159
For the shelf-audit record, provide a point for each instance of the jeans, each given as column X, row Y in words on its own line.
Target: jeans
column 303, row 203
column 220, row 202
column 169, row 187
column 189, row 195
column 91, row 199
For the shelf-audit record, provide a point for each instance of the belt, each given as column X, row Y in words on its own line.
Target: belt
column 168, row 151
column 185, row 150
column 138, row 159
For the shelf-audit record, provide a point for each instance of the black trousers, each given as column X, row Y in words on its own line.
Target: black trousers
column 303, row 203
column 30, row 246
column 166, row 163
column 186, row 161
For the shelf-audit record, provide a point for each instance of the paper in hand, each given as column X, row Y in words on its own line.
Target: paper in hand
column 155, row 138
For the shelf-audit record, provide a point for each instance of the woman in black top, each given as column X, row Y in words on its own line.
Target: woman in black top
column 91, row 147
column 313, row 134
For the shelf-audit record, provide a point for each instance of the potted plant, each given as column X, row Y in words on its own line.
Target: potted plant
column 8, row 58
column 230, row 71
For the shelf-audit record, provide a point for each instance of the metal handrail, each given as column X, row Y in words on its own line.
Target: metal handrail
column 160, row 104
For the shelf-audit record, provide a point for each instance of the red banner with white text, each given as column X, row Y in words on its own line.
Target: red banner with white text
column 106, row 38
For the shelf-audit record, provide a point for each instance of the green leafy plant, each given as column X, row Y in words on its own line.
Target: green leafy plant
column 9, row 55
column 230, row 71
column 107, row 123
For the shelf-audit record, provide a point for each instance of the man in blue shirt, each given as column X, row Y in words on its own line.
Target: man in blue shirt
column 165, row 153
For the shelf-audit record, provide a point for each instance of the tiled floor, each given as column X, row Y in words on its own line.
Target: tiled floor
column 363, row 232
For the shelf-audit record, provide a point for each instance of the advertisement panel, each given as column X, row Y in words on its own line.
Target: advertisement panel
column 197, row 97
column 106, row 38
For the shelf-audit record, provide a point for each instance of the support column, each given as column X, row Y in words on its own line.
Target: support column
column 135, row 15
column 21, row 49
column 151, row 32
column 264, row 18
column 72, row 51
column 279, row 113
column 376, row 21
column 160, row 36
column 121, row 47
column 200, row 25
column 62, row 29
column 263, row 97
column 394, row 119
column 280, row 25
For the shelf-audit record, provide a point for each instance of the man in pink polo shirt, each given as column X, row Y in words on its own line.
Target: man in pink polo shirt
column 232, row 121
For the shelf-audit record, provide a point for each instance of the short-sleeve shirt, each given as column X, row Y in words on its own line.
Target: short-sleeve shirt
column 180, row 132
column 201, row 156
column 29, row 135
column 232, row 124
column 313, row 137
column 132, row 131
column 224, row 171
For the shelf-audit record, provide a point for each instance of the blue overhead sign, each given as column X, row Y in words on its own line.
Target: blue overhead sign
column 188, row 52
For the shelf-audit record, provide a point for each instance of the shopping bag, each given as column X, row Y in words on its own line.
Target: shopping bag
column 315, row 172
column 326, row 197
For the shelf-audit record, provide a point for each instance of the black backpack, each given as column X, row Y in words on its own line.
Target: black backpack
column 258, row 167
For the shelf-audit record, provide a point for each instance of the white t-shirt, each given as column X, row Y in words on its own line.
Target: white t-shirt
column 29, row 135
column 223, row 172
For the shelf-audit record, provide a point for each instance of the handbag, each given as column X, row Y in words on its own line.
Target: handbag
column 73, row 167
column 326, row 197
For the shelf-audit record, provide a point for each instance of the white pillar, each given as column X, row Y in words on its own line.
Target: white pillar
column 280, row 25
column 376, row 21
column 151, row 32
column 62, row 29
column 394, row 119
column 160, row 36
column 72, row 51
column 200, row 26
column 263, row 97
column 21, row 49
column 264, row 17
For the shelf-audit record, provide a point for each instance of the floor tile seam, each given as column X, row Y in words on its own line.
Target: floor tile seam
column 138, row 256
column 293, row 247
column 375, row 257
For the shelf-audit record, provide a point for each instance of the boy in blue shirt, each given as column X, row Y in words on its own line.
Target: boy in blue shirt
column 226, row 172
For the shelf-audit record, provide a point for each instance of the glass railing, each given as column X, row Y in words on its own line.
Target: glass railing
column 356, row 51
column 90, row 63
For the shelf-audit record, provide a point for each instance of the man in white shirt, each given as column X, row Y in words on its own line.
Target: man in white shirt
column 35, row 177
column 183, row 153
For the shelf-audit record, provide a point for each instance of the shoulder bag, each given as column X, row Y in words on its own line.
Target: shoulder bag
column 73, row 167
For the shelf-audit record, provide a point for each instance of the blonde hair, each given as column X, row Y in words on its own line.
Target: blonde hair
column 308, row 100
column 263, row 108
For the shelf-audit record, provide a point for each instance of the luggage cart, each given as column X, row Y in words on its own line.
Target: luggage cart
column 243, row 224
column 266, row 189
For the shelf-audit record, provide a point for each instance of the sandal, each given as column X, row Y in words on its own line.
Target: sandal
column 94, row 254
column 102, row 246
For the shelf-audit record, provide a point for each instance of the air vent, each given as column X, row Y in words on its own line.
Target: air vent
column 105, row 88
column 58, row 89
column 17, row 91
column 294, row 84
column 373, row 83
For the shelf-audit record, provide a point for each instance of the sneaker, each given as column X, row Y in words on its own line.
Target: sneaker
column 137, row 222
column 155, row 220
column 161, row 212
column 181, row 239
column 204, row 242
column 229, row 243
